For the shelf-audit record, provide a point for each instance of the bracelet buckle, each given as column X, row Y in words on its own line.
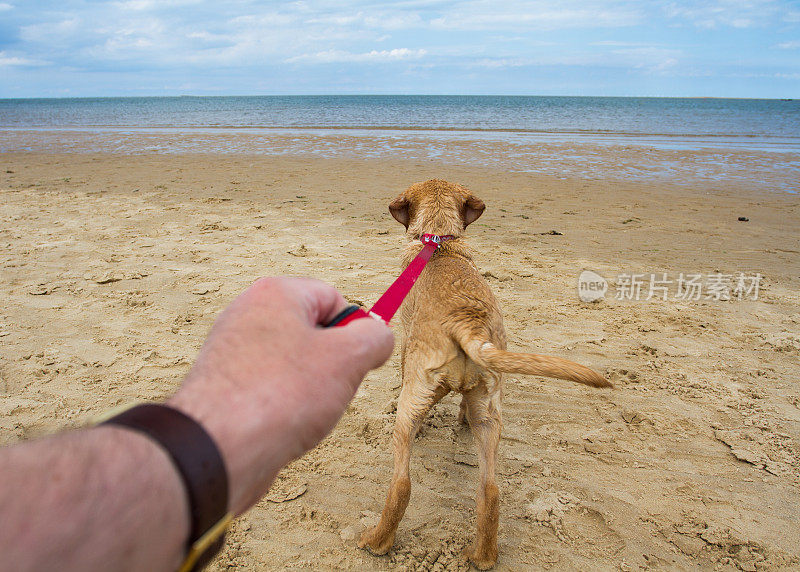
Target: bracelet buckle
column 199, row 546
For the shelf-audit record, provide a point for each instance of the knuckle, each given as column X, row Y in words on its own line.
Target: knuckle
column 267, row 284
column 264, row 282
column 266, row 291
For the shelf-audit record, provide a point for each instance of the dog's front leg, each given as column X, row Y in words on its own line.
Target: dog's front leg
column 483, row 414
column 413, row 405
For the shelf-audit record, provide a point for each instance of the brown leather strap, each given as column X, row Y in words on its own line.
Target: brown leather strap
column 197, row 459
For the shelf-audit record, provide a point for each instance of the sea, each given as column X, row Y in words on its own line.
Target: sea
column 738, row 140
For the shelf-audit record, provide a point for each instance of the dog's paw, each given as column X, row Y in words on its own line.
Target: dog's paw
column 376, row 543
column 483, row 560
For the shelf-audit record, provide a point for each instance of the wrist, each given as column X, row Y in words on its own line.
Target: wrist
column 247, row 436
column 199, row 463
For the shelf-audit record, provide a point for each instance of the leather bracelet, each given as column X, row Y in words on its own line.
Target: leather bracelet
column 201, row 468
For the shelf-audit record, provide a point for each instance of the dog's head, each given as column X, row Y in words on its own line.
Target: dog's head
column 436, row 207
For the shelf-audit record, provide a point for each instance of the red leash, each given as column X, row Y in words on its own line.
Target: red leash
column 388, row 304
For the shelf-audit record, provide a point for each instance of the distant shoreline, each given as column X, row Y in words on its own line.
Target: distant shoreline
column 634, row 159
column 678, row 141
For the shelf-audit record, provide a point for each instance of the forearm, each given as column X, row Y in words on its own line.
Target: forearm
column 104, row 498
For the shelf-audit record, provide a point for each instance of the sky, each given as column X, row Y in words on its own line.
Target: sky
column 672, row 48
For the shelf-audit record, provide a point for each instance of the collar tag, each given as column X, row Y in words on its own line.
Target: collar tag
column 436, row 239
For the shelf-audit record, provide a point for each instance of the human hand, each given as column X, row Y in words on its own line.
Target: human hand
column 269, row 383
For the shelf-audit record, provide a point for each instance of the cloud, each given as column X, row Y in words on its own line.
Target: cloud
column 616, row 43
column 48, row 33
column 5, row 6
column 149, row 35
column 714, row 14
column 498, row 63
column 538, row 16
column 663, row 66
column 789, row 45
column 337, row 56
column 384, row 20
column 651, row 59
column 7, row 60
column 142, row 5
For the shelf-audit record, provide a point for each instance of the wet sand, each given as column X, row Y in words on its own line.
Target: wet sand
column 114, row 267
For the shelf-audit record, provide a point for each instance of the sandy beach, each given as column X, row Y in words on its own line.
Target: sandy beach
column 114, row 267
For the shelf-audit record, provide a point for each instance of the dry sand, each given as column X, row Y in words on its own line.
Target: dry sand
column 114, row 267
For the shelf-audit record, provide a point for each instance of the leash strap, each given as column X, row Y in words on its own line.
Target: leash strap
column 388, row 304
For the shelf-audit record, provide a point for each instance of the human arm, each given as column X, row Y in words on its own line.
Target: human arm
column 96, row 499
column 267, row 386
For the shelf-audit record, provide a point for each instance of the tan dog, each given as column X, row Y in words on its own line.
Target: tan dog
column 454, row 341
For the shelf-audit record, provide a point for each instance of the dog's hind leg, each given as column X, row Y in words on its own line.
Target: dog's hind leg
column 416, row 400
column 462, row 411
column 483, row 414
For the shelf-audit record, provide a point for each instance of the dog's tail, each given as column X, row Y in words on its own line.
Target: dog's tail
column 487, row 355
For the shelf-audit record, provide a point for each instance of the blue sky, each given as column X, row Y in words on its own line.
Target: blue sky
column 724, row 48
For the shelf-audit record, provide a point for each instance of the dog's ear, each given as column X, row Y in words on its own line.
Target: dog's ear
column 472, row 210
column 399, row 209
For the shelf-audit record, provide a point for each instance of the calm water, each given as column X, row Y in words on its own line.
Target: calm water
column 751, row 141
column 767, row 121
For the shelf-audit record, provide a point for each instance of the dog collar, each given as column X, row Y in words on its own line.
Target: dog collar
column 435, row 238
column 388, row 304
